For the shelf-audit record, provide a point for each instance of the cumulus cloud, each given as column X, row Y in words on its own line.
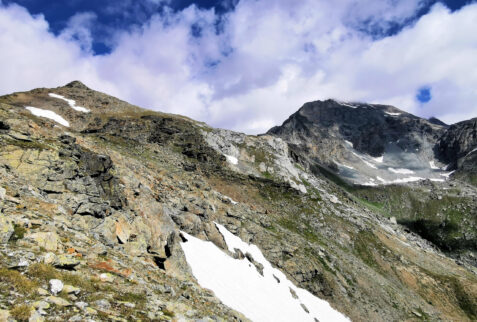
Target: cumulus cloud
column 251, row 68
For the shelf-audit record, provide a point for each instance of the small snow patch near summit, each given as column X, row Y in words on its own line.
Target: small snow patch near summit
column 71, row 103
column 48, row 114
column 238, row 284
column 392, row 114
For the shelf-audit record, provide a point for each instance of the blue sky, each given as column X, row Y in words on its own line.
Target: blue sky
column 113, row 15
column 248, row 64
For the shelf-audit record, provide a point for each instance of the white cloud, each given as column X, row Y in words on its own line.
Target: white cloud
column 269, row 58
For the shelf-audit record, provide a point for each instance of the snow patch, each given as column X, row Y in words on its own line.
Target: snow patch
column 370, row 184
column 409, row 179
column 432, row 164
column 379, row 159
column 238, row 284
column 401, row 171
column 231, row 159
column 447, row 174
column 381, row 179
column 349, row 143
column 392, row 114
column 48, row 114
column 233, row 202
column 71, row 103
column 344, row 165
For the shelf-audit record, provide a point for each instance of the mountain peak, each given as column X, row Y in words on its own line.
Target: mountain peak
column 77, row 84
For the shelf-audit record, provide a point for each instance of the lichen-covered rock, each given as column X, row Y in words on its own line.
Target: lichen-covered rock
column 50, row 241
column 6, row 229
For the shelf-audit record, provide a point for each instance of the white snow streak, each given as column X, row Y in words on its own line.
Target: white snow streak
column 392, row 114
column 231, row 159
column 48, row 114
column 349, row 143
column 71, row 103
column 401, row 171
column 470, row 152
column 238, row 284
column 345, row 104
column 369, row 164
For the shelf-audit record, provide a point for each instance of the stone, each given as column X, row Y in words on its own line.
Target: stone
column 36, row 317
column 48, row 240
column 81, row 305
column 90, row 311
column 6, row 229
column 56, row 286
column 19, row 136
column 58, row 301
column 66, row 261
column 4, row 315
column 53, row 187
column 76, row 318
column 42, row 291
column 106, row 277
column 3, row 193
column 41, row 305
column 70, row 289
column 49, row 258
column 123, row 230
column 102, row 304
column 393, row 220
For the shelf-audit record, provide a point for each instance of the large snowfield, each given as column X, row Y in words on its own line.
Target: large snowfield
column 239, row 285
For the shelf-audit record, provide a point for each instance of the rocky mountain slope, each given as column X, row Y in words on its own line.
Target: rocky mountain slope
column 113, row 212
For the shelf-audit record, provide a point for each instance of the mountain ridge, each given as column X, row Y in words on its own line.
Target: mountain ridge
column 107, row 199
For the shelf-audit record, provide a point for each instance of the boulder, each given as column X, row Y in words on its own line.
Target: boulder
column 66, row 261
column 56, row 286
column 6, row 229
column 58, row 301
column 48, row 240
column 123, row 230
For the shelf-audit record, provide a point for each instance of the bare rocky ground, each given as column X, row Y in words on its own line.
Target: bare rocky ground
column 92, row 214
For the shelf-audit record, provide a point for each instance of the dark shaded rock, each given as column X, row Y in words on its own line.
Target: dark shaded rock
column 4, row 126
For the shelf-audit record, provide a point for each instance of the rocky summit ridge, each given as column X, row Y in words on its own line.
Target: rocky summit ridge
column 99, row 199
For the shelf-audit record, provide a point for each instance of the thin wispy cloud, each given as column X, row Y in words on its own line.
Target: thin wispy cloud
column 249, row 68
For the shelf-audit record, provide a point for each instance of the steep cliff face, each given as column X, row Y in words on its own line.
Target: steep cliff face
column 105, row 197
column 458, row 147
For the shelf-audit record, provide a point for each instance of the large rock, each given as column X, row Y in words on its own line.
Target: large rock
column 6, row 229
column 50, row 241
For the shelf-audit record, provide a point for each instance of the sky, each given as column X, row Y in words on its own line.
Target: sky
column 246, row 65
